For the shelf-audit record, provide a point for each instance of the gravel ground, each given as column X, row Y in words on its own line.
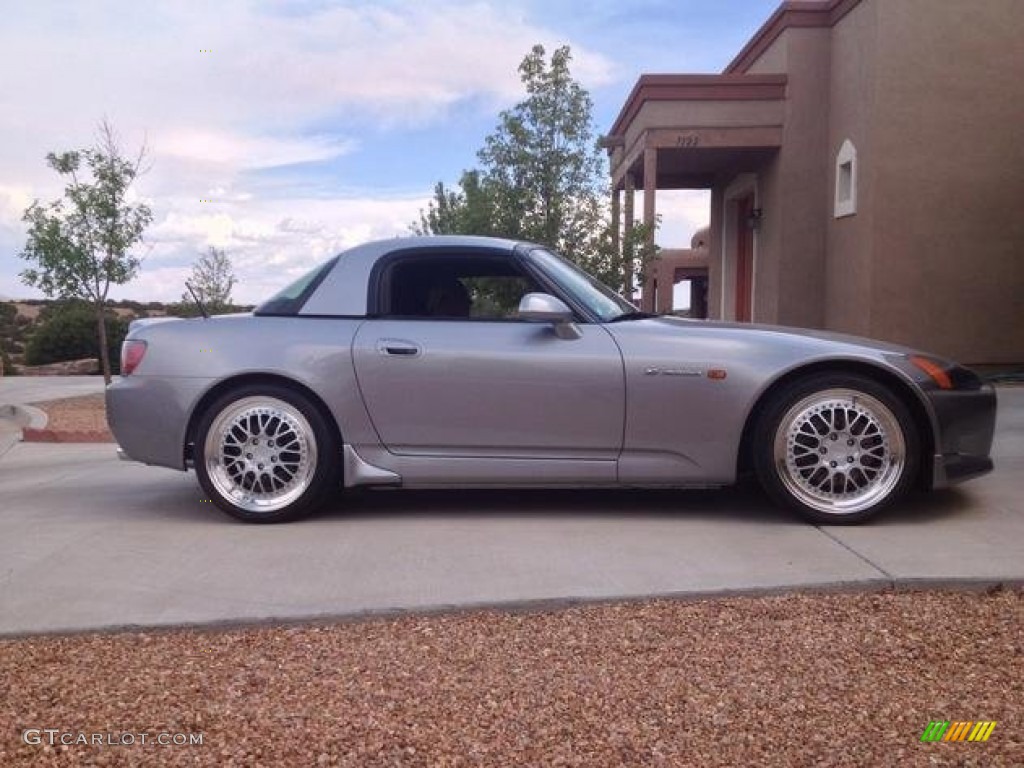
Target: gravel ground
column 833, row 680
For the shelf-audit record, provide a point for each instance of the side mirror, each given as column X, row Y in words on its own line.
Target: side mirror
column 545, row 308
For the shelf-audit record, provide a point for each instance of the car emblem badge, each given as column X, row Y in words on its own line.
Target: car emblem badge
column 673, row 372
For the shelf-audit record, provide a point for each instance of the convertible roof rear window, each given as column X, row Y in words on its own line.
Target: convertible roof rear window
column 290, row 300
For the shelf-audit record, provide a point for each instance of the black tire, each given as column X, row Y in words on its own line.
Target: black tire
column 836, row 448
column 265, row 454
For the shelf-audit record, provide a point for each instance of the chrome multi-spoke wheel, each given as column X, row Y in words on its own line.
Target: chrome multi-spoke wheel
column 837, row 448
column 261, row 454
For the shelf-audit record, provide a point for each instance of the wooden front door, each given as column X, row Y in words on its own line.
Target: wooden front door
column 744, row 259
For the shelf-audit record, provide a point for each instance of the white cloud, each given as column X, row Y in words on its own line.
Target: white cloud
column 13, row 202
column 270, row 242
column 227, row 65
column 219, row 91
column 240, row 151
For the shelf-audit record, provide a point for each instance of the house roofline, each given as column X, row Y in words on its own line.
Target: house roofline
column 792, row 13
column 727, row 87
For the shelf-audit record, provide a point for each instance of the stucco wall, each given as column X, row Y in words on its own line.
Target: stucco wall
column 803, row 179
column 773, row 60
column 849, row 276
column 949, row 166
column 768, row 240
column 790, row 246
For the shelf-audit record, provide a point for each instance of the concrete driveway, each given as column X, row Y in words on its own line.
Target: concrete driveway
column 87, row 542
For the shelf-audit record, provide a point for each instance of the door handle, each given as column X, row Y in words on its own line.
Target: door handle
column 398, row 348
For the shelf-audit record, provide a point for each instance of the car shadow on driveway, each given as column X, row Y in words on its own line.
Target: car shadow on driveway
column 739, row 504
column 172, row 501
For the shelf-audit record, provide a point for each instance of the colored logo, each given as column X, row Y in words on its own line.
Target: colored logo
column 944, row 730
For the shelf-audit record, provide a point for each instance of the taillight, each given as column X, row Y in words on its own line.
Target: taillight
column 132, row 352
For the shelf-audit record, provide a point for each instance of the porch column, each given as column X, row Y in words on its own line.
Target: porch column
column 650, row 186
column 616, row 224
column 627, row 263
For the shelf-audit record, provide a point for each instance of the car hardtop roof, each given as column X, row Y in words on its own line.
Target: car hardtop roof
column 379, row 247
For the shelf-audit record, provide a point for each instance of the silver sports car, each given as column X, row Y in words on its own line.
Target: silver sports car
column 475, row 362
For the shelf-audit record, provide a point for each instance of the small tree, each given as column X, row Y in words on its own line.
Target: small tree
column 639, row 251
column 542, row 175
column 212, row 279
column 80, row 243
column 468, row 211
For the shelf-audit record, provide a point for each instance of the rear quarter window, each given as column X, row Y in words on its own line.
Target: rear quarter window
column 291, row 299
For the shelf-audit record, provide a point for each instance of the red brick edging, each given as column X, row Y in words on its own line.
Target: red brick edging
column 66, row 436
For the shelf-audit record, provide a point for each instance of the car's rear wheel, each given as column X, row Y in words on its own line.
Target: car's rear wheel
column 836, row 448
column 264, row 454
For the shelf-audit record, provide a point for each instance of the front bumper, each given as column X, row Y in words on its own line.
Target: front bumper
column 966, row 421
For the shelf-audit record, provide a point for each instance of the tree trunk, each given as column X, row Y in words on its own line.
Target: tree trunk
column 101, row 328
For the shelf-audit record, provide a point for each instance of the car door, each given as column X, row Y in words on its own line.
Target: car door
column 484, row 385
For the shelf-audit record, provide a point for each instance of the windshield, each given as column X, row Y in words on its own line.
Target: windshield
column 288, row 301
column 597, row 297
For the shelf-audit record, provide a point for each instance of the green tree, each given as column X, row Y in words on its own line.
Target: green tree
column 542, row 175
column 639, row 248
column 212, row 279
column 468, row 211
column 80, row 244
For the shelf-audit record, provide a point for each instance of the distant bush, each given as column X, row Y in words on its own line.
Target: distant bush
column 6, row 365
column 190, row 309
column 8, row 334
column 68, row 332
column 134, row 306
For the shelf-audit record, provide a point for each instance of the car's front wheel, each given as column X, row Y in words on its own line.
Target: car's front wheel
column 836, row 448
column 264, row 454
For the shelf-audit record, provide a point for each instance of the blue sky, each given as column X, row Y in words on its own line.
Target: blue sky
column 311, row 125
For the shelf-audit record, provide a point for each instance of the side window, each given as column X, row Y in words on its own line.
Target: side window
column 497, row 297
column 478, row 287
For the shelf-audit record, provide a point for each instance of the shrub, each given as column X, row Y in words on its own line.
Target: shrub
column 68, row 332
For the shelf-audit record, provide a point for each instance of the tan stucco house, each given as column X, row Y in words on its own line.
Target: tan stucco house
column 866, row 166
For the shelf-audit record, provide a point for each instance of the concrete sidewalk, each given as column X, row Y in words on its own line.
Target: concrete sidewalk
column 90, row 542
column 16, row 418
column 16, row 392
